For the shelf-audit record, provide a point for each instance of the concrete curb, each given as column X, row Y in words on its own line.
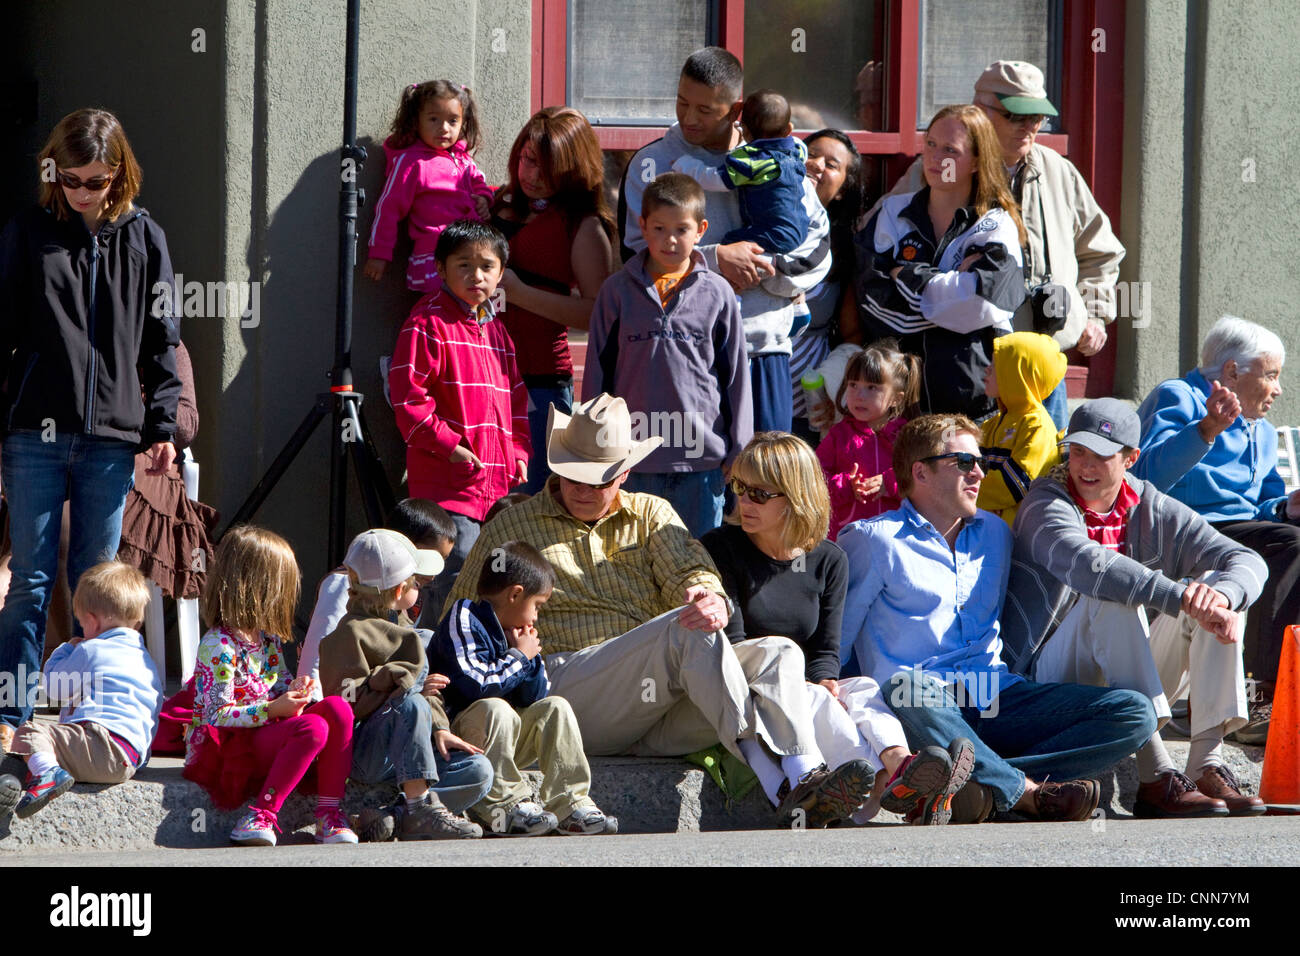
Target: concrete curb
column 648, row 795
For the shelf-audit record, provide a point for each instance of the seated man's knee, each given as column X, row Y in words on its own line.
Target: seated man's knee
column 495, row 712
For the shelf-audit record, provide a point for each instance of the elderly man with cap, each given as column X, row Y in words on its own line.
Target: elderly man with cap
column 1095, row 547
column 1070, row 240
column 633, row 631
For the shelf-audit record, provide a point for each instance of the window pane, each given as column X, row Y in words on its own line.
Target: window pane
column 824, row 56
column 959, row 38
column 625, row 56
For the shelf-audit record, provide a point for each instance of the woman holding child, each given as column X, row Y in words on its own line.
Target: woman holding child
column 786, row 579
column 553, row 213
column 941, row 268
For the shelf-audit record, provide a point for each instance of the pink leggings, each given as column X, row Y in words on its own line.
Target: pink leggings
column 286, row 748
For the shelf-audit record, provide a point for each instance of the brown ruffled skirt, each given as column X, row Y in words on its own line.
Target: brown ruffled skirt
column 163, row 531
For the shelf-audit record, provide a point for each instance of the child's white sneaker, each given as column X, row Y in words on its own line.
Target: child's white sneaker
column 525, row 819
column 332, row 827
column 587, row 821
column 255, row 828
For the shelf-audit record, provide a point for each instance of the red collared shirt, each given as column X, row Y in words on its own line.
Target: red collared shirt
column 1109, row 529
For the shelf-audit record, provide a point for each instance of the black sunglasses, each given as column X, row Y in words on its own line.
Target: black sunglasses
column 757, row 495
column 1033, row 119
column 94, row 185
column 965, row 460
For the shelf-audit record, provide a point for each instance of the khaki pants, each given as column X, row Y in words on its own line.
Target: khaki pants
column 545, row 732
column 83, row 749
column 663, row 690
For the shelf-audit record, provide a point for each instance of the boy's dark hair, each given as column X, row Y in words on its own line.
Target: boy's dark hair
column 766, row 114
column 426, row 523
column 470, row 232
column 717, row 69
column 406, row 124
column 504, row 502
column 515, row 562
column 675, row 191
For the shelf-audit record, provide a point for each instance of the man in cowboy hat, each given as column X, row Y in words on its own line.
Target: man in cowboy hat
column 1070, row 242
column 633, row 631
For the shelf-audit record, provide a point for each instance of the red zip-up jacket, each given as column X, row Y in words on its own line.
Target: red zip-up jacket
column 454, row 382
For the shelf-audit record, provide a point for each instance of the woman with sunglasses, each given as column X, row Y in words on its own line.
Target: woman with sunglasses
column 786, row 579
column 940, row 269
column 88, row 341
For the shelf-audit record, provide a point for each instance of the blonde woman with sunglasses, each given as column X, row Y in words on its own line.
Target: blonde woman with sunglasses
column 786, row 579
column 86, row 333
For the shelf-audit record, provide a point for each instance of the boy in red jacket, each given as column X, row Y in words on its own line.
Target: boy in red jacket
column 460, row 402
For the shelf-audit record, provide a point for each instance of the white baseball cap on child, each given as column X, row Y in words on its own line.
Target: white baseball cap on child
column 383, row 559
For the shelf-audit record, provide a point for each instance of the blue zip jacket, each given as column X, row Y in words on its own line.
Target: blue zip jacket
column 471, row 650
column 108, row 680
column 1234, row 479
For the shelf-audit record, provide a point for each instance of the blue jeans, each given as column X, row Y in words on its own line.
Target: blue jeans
column 541, row 399
column 696, row 496
column 395, row 744
column 1064, row 731
column 94, row 476
column 769, row 377
column 1058, row 407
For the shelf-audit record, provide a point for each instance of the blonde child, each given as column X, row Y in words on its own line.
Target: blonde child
column 879, row 392
column 498, row 699
column 253, row 731
column 1020, row 442
column 432, row 180
column 109, row 686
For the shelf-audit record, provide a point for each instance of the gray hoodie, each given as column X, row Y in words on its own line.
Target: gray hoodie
column 1053, row 561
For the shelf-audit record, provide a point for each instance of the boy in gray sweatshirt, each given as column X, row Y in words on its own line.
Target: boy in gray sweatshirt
column 666, row 336
column 1095, row 548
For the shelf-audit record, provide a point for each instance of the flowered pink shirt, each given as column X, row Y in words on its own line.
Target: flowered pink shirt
column 234, row 682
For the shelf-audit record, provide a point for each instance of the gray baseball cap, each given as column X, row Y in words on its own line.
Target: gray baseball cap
column 1104, row 426
column 383, row 559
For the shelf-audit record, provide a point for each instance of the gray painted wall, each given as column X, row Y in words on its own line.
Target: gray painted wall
column 1211, row 101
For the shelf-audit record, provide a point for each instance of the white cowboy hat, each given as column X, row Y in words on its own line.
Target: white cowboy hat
column 594, row 444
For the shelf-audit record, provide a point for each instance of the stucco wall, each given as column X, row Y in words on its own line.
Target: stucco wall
column 1211, row 147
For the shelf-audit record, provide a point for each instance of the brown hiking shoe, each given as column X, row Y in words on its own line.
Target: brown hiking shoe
column 1067, row 801
column 1220, row 782
column 972, row 804
column 1174, row 796
column 828, row 796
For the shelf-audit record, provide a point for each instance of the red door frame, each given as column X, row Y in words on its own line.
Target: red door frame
column 1091, row 112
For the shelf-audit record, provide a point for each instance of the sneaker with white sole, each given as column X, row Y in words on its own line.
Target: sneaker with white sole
column 587, row 821
column 257, row 827
column 41, row 790
column 431, row 820
column 332, row 827
column 524, row 819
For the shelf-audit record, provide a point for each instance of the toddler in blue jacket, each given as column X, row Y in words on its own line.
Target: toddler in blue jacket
column 109, row 687
column 497, row 700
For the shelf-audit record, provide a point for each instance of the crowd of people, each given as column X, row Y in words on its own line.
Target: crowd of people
column 932, row 591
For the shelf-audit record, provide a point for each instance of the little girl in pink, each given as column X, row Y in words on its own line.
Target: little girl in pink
column 431, row 178
column 879, row 392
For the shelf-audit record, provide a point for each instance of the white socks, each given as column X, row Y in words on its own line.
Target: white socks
column 41, row 763
column 797, row 765
column 1206, row 751
column 1153, row 761
column 771, row 774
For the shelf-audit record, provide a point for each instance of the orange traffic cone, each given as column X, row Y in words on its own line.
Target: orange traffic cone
column 1280, row 781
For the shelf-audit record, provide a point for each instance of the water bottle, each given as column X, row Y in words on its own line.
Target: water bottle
column 814, row 387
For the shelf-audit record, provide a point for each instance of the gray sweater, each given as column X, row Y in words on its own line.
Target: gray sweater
column 1053, row 561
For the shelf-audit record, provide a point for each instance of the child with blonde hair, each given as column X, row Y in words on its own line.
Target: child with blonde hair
column 110, row 689
column 253, row 730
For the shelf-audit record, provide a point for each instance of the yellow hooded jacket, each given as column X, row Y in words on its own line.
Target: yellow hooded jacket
column 1021, row 442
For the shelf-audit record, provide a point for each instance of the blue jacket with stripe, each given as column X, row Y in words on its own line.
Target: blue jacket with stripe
column 471, row 650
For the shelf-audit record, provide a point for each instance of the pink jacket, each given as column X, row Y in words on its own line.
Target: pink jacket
column 851, row 442
column 455, row 382
column 430, row 188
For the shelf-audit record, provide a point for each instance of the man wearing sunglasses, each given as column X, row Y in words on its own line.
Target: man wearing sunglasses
column 633, row 633
column 1096, row 548
column 922, row 617
column 1071, row 243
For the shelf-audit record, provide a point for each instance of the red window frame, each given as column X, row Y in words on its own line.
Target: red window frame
column 1092, row 108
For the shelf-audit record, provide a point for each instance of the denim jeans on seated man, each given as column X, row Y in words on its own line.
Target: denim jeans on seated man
column 395, row 744
column 1056, row 731
column 93, row 475
column 696, row 496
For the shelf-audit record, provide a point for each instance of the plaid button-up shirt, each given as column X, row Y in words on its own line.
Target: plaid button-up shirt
column 611, row 576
